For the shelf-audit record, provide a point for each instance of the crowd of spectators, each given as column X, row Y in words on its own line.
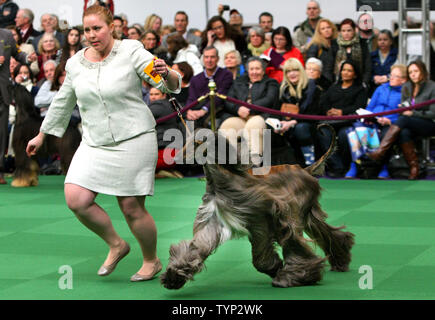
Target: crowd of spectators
column 321, row 67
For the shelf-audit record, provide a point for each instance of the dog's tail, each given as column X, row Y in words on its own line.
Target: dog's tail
column 318, row 167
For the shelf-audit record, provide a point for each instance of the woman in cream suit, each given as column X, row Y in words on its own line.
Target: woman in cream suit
column 118, row 152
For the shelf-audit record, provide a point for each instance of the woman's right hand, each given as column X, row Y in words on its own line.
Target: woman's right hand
column 210, row 37
column 243, row 112
column 34, row 144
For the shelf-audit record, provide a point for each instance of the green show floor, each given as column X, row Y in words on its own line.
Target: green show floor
column 393, row 222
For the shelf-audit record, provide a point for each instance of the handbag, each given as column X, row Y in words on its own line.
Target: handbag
column 363, row 138
column 290, row 108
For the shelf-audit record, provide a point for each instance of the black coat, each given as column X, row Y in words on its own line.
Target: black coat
column 161, row 108
column 309, row 103
column 348, row 100
column 327, row 56
column 264, row 93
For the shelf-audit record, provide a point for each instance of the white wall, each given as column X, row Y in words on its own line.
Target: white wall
column 286, row 12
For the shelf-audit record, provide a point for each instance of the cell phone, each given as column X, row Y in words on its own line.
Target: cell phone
column 226, row 7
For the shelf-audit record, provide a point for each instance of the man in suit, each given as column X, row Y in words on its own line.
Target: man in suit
column 181, row 20
column 8, row 49
column 49, row 23
column 8, row 11
column 24, row 22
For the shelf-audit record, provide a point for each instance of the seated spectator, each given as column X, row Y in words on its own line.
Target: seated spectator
column 199, row 87
column 313, row 68
column 342, row 98
column 45, row 95
column 72, row 44
column 300, row 95
column 282, row 47
column 181, row 21
column 219, row 34
column 305, row 31
column 160, row 107
column 134, row 33
column 412, row 123
column 150, row 40
column 324, row 47
column 233, row 62
column 24, row 77
column 180, row 51
column 167, row 29
column 382, row 59
column 186, row 72
column 351, row 47
column 25, row 47
column 386, row 97
column 48, row 49
column 257, row 43
column 118, row 24
column 255, row 88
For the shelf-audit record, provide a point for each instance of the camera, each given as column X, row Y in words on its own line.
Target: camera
column 226, row 7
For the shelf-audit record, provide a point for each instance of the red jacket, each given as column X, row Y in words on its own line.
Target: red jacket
column 277, row 73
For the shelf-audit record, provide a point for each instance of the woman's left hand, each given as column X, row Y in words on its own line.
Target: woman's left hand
column 286, row 125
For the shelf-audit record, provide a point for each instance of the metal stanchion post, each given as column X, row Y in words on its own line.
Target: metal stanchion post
column 212, row 96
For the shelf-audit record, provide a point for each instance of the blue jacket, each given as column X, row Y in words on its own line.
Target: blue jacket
column 379, row 69
column 386, row 98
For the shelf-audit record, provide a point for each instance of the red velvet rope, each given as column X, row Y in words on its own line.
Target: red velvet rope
column 315, row 117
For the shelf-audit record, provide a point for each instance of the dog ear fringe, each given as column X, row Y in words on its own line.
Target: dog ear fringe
column 318, row 167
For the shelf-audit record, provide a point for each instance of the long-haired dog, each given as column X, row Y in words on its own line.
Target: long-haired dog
column 270, row 209
column 27, row 126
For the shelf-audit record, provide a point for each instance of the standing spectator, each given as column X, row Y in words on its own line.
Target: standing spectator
column 72, row 44
column 351, row 47
column 219, row 34
column 24, row 23
column 265, row 20
column 305, row 30
column 181, row 21
column 297, row 90
column 25, row 47
column 153, row 22
column 410, row 124
column 186, row 72
column 257, row 43
column 180, row 50
column 199, row 87
column 8, row 12
column 324, row 47
column 382, row 59
column 366, row 31
column 283, row 48
column 342, row 98
column 150, row 39
column 49, row 24
column 255, row 88
column 7, row 40
column 49, row 49
column 118, row 23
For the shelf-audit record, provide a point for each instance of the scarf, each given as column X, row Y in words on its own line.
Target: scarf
column 258, row 51
column 356, row 54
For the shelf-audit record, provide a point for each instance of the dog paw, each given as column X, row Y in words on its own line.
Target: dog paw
column 171, row 279
column 339, row 268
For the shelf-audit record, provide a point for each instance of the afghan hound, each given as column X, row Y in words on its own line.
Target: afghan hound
column 27, row 124
column 273, row 208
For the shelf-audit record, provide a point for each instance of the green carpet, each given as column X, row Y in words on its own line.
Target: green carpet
column 394, row 224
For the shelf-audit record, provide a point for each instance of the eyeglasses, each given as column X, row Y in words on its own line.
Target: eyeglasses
column 392, row 76
column 217, row 28
column 279, row 39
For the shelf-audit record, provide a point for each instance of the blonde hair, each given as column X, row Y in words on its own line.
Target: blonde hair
column 103, row 12
column 149, row 22
column 318, row 39
column 294, row 64
column 402, row 68
column 48, row 35
column 237, row 54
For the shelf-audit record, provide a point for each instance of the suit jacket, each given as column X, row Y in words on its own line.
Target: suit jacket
column 30, row 35
column 8, row 49
column 59, row 36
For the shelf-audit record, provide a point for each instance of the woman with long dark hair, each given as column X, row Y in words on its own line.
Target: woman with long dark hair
column 72, row 44
column 412, row 123
column 281, row 50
